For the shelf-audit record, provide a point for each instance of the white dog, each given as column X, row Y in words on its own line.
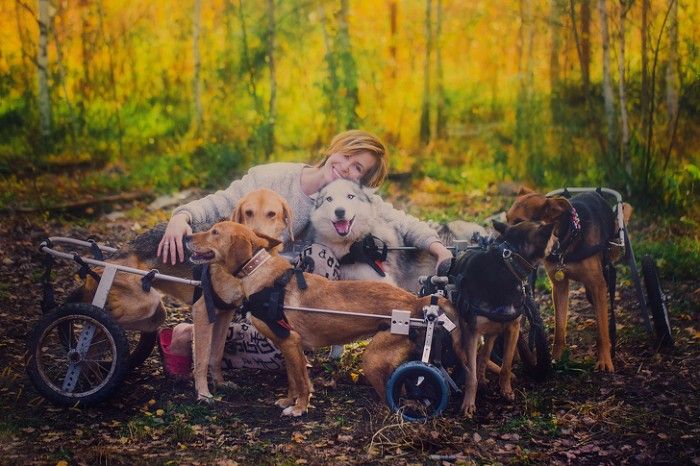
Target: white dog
column 344, row 216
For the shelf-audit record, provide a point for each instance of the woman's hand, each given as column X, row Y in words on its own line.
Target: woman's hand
column 171, row 244
column 443, row 258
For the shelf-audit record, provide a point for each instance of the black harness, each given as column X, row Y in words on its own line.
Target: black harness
column 369, row 250
column 515, row 263
column 268, row 303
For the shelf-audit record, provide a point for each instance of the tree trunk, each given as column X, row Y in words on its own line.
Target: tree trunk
column 672, row 66
column 196, row 122
column 347, row 62
column 112, row 77
column 608, row 98
column 425, row 108
column 332, row 87
column 644, row 35
column 393, row 22
column 43, row 72
column 586, row 43
column 272, row 107
column 441, row 117
column 555, row 41
column 624, row 125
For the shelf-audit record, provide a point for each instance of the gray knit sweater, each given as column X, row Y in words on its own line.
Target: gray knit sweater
column 285, row 179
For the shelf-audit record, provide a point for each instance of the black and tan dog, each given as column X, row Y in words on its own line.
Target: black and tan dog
column 584, row 226
column 137, row 308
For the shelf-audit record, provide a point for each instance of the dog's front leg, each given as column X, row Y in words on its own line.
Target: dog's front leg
column 223, row 319
column 510, row 343
column 201, row 349
column 560, row 298
column 469, row 402
column 483, row 359
column 298, row 376
column 599, row 298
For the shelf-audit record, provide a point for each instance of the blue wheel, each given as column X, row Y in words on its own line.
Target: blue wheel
column 417, row 390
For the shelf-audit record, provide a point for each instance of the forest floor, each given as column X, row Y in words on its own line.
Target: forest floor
column 648, row 411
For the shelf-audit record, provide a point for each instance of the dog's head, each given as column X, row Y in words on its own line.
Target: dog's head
column 531, row 240
column 227, row 243
column 536, row 207
column 264, row 211
column 343, row 212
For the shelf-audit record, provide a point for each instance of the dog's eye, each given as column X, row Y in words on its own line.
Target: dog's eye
column 248, row 213
column 271, row 215
column 351, row 196
column 329, row 199
column 215, row 231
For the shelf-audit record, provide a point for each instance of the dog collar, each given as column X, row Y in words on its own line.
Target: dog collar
column 258, row 259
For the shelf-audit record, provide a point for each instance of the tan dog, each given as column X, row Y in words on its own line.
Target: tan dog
column 135, row 309
column 580, row 258
column 311, row 330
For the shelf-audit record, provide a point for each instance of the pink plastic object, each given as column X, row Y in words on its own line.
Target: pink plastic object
column 175, row 365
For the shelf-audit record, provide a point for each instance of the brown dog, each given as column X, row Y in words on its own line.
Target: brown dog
column 584, row 226
column 311, row 330
column 136, row 309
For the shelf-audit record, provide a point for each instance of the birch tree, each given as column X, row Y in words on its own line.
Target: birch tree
column 624, row 124
column 440, row 117
column 425, row 107
column 196, row 80
column 608, row 98
column 272, row 105
column 42, row 62
column 672, row 66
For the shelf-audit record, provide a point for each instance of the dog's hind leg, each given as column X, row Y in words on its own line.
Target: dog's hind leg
column 560, row 297
column 299, row 383
column 598, row 289
column 201, row 349
column 469, row 401
column 382, row 356
column 510, row 342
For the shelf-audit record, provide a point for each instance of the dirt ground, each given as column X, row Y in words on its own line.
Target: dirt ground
column 646, row 412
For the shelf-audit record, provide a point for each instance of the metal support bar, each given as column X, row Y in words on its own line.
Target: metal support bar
column 103, row 288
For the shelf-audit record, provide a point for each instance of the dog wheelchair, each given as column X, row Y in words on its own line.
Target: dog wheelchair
column 77, row 353
column 655, row 300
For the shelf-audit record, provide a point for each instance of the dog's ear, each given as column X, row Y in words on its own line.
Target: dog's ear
column 237, row 215
column 287, row 212
column 626, row 212
column 544, row 232
column 264, row 241
column 554, row 208
column 524, row 190
column 500, row 227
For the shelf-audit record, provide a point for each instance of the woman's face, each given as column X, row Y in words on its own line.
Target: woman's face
column 349, row 167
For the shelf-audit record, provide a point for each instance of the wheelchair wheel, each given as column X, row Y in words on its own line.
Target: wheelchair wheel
column 141, row 346
column 417, row 391
column 77, row 355
column 657, row 302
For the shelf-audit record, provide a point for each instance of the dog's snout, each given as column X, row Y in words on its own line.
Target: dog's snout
column 340, row 212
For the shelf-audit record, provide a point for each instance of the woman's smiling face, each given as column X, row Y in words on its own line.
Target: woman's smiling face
column 349, row 167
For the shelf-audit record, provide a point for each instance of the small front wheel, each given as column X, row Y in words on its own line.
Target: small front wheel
column 77, row 354
column 417, row 391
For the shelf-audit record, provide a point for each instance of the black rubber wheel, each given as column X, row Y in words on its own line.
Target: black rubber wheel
column 141, row 346
column 77, row 355
column 657, row 302
column 417, row 391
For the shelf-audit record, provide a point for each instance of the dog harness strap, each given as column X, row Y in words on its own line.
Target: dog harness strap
column 370, row 250
column 268, row 303
column 212, row 301
column 147, row 280
column 85, row 268
column 95, row 250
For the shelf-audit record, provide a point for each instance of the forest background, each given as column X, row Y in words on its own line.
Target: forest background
column 109, row 96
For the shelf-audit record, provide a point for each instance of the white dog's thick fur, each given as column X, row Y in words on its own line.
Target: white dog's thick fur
column 345, row 214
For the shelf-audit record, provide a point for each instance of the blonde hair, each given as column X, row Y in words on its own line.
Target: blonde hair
column 354, row 142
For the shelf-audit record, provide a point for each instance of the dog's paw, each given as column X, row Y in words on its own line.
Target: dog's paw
column 284, row 402
column 604, row 366
column 294, row 411
column 207, row 398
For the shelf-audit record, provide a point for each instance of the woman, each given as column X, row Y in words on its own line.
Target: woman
column 354, row 155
